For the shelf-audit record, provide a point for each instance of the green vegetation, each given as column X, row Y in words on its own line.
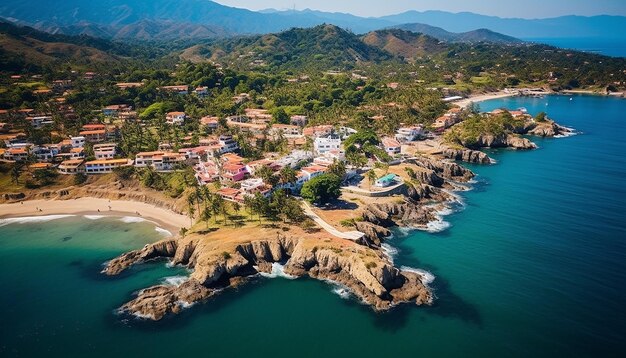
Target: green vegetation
column 469, row 131
column 322, row 189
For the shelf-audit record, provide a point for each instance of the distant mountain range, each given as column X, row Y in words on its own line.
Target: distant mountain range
column 181, row 19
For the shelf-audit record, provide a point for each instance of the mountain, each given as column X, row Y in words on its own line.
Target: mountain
column 322, row 46
column 564, row 26
column 111, row 16
column 24, row 47
column 406, row 44
column 200, row 19
column 480, row 35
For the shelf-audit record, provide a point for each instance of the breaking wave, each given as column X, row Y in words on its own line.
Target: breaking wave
column 132, row 219
column 278, row 270
column 32, row 219
column 162, row 231
column 427, row 276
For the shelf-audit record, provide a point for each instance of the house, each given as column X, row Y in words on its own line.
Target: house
column 228, row 144
column 18, row 154
column 318, row 131
column 233, row 172
column 201, row 91
column 252, row 186
column 168, row 162
column 286, row 130
column 115, row 109
column 77, row 153
column 230, row 194
column 39, row 121
column 409, row 134
column 252, row 167
column 391, row 146
column 258, row 115
column 45, row 153
column 175, row 118
column 329, row 158
column 105, row 165
column 210, row 122
column 443, row 122
column 104, row 151
column 386, row 181
column 322, row 145
column 94, row 136
column 298, row 120
column 72, row 166
column 240, row 98
column 93, row 127
column 77, row 141
column 179, row 89
column 39, row 166
column 146, row 159
column 126, row 85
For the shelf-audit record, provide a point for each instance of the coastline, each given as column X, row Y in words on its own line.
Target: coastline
column 464, row 103
column 163, row 218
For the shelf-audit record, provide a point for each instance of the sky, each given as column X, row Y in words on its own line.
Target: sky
column 502, row 8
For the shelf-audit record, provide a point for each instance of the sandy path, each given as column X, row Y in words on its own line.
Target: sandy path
column 483, row 97
column 90, row 206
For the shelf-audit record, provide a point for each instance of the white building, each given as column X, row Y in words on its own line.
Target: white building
column 72, row 166
column 104, row 151
column 78, row 142
column 228, row 144
column 105, row 165
column 177, row 118
column 409, row 134
column 322, row 145
column 391, row 146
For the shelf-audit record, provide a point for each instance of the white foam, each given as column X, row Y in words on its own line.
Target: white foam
column 32, row 219
column 389, row 251
column 184, row 304
column 162, row 231
column 426, row 276
column 93, row 217
column 342, row 291
column 278, row 270
column 175, row 280
column 132, row 219
column 437, row 226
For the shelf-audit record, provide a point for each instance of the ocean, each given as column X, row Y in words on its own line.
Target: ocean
column 615, row 47
column 532, row 265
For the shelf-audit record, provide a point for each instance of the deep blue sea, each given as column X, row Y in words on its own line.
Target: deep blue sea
column 615, row 47
column 534, row 265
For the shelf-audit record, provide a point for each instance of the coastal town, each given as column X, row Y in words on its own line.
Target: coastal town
column 334, row 189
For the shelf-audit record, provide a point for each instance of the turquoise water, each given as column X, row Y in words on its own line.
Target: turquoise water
column 534, row 266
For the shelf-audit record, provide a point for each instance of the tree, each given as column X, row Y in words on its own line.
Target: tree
column 266, row 173
column 338, row 168
column 540, row 117
column 16, row 171
column 280, row 116
column 206, row 216
column 80, row 178
column 371, row 177
column 191, row 210
column 287, row 175
column 183, row 231
column 292, row 211
column 322, row 189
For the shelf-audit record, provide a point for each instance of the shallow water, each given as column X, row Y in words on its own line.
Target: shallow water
column 534, row 265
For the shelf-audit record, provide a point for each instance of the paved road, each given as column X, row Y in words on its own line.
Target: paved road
column 350, row 235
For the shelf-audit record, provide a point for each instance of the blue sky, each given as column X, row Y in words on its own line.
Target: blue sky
column 502, row 8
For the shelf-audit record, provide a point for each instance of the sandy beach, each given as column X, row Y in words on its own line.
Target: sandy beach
column 483, row 97
column 164, row 218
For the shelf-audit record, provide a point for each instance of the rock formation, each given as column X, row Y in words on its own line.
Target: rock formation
column 364, row 270
column 467, row 155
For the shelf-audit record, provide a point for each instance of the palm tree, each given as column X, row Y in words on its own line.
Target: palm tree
column 191, row 208
column 371, row 177
column 287, row 176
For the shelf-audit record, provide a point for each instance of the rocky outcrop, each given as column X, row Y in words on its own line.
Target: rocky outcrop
column 365, row 271
column 398, row 214
column 503, row 141
column 467, row 155
column 442, row 170
column 374, row 234
column 549, row 129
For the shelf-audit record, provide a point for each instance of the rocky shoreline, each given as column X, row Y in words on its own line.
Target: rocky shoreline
column 217, row 261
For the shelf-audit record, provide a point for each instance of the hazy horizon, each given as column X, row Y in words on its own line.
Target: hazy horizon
column 529, row 9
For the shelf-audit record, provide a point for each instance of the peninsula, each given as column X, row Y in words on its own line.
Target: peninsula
column 296, row 152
